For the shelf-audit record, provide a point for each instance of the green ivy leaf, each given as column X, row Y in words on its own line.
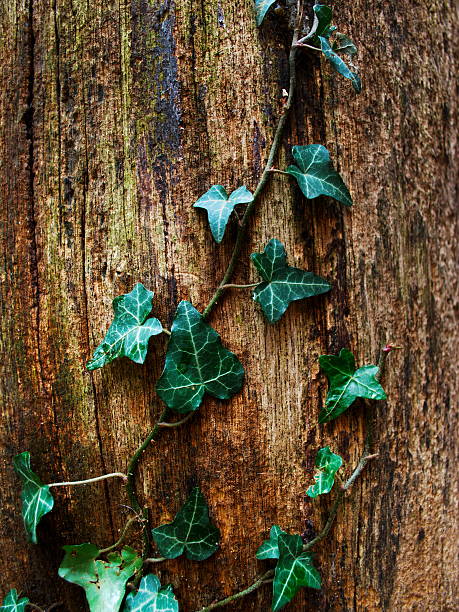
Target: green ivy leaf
column 196, row 362
column 322, row 20
column 130, row 331
column 347, row 383
column 315, row 174
column 219, row 207
column 328, row 464
column 191, row 532
column 261, row 8
column 343, row 44
column 104, row 582
column 270, row 548
column 293, row 571
column 36, row 498
column 151, row 598
column 283, row 284
column 12, row 603
column 340, row 65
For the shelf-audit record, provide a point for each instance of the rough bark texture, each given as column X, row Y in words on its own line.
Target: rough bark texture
column 115, row 117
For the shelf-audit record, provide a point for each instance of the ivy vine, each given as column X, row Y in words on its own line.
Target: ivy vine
column 197, row 362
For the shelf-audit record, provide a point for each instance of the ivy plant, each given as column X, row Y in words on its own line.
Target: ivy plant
column 282, row 283
column 328, row 464
column 104, row 582
column 191, row 532
column 219, row 207
column 347, row 383
column 151, row 597
column 130, row 331
column 12, row 603
column 196, row 363
column 36, row 497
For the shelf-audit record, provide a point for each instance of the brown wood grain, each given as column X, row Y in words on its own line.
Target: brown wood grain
column 115, row 117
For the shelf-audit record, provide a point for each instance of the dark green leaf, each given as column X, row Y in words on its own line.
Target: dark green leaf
column 12, row 603
column 293, row 571
column 315, row 174
column 328, row 464
column 219, row 207
column 130, row 331
column 36, row 498
column 261, row 8
column 196, row 362
column 322, row 20
column 347, row 383
column 283, row 284
column 339, row 65
column 151, row 598
column 103, row 581
column 343, row 44
column 191, row 532
column 270, row 548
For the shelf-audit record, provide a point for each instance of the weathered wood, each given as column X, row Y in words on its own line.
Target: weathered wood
column 115, row 117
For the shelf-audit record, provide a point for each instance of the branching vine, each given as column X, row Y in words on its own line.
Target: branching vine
column 197, row 363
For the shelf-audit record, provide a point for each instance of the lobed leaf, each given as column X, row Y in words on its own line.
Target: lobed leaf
column 343, row 44
column 219, row 207
column 196, row 362
column 12, row 603
column 270, row 548
column 347, row 383
column 322, row 21
column 340, row 65
column 130, row 331
column 261, row 8
column 151, row 597
column 36, row 498
column 293, row 571
column 282, row 284
column 328, row 464
column 191, row 531
column 104, row 582
column 315, row 174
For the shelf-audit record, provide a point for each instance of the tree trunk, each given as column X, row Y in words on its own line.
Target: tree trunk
column 115, row 117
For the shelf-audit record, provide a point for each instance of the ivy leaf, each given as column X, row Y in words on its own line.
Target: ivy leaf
column 322, row 20
column 151, row 598
column 36, row 498
column 103, row 581
column 347, row 383
column 343, row 44
column 196, row 362
column 261, row 8
column 293, row 571
column 191, row 532
column 328, row 464
column 270, row 548
column 339, row 65
column 130, row 331
column 12, row 603
column 315, row 174
column 219, row 207
column 283, row 284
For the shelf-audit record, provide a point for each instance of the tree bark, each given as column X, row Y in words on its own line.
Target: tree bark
column 115, row 117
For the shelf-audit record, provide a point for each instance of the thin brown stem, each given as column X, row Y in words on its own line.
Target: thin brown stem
column 177, row 423
column 267, row 577
column 155, row 560
column 232, row 286
column 130, row 522
column 261, row 183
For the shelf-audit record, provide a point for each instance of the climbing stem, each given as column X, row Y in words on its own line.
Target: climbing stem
column 130, row 522
column 176, row 423
column 130, row 484
column 231, row 286
column 261, row 183
column 89, row 480
column 267, row 577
